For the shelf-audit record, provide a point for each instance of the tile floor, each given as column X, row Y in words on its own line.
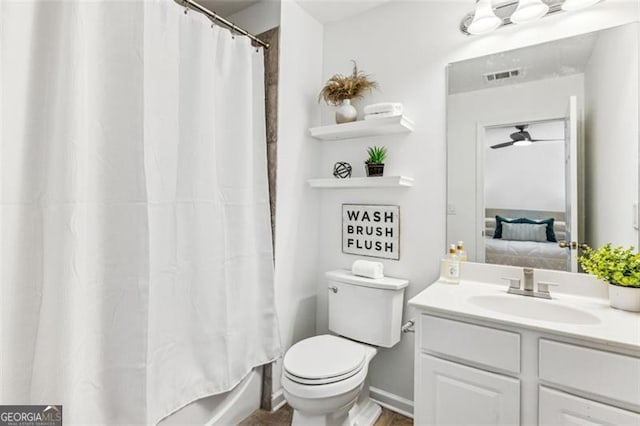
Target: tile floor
column 282, row 417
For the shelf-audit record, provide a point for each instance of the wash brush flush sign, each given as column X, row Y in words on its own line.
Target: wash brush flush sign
column 371, row 230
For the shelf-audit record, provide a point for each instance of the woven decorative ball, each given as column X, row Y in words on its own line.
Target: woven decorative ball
column 342, row 170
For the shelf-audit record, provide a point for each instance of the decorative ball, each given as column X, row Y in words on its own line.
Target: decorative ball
column 342, row 170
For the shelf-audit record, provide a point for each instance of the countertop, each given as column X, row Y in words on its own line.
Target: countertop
column 609, row 326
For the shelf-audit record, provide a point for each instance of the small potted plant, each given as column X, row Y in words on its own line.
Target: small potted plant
column 340, row 89
column 375, row 162
column 620, row 268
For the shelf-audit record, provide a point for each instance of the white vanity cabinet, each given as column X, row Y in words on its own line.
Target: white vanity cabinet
column 462, row 374
column 471, row 372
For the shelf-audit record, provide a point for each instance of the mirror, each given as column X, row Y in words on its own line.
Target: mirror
column 542, row 150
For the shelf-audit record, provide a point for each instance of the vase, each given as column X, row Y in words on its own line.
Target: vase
column 346, row 112
column 374, row 169
column 625, row 298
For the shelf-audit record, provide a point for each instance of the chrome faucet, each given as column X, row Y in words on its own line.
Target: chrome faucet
column 528, row 288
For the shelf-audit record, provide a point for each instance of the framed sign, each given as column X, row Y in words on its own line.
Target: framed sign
column 371, row 230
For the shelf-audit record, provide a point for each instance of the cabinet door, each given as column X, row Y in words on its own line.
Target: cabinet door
column 561, row 409
column 454, row 394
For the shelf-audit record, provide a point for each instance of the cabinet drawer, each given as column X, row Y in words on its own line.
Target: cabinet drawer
column 559, row 409
column 477, row 344
column 598, row 372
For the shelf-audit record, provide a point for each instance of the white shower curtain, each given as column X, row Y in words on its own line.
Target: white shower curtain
column 136, row 262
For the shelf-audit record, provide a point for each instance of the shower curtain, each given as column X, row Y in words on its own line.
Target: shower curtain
column 136, row 262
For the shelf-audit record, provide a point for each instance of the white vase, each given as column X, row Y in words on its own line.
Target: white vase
column 625, row 298
column 346, row 112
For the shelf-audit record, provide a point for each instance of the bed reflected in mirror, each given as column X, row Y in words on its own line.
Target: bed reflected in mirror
column 543, row 150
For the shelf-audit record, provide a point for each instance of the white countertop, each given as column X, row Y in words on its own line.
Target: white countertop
column 610, row 326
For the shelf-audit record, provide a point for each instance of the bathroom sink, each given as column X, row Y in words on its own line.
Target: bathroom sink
column 534, row 308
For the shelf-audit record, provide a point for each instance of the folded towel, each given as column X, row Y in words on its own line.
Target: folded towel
column 383, row 107
column 381, row 115
column 366, row 268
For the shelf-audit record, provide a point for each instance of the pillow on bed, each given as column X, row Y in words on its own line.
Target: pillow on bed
column 524, row 232
column 551, row 237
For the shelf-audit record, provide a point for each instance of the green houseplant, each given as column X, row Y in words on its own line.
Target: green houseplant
column 375, row 162
column 620, row 268
column 340, row 89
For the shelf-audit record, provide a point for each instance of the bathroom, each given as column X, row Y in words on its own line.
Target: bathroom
column 406, row 47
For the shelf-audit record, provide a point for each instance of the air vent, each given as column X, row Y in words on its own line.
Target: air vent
column 501, row 75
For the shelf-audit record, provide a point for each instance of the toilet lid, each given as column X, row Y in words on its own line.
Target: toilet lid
column 324, row 357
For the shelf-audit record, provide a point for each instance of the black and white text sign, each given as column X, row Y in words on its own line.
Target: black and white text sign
column 371, row 230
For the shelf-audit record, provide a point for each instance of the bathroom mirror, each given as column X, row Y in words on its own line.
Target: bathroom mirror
column 542, row 150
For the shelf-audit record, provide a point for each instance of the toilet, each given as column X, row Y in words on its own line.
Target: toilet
column 324, row 377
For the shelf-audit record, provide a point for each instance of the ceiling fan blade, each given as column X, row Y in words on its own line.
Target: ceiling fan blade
column 502, row 145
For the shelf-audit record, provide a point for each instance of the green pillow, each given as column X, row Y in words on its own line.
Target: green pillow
column 551, row 235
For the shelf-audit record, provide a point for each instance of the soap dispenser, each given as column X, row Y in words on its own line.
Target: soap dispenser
column 461, row 252
column 450, row 267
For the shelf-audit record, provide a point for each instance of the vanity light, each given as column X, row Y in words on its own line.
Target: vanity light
column 577, row 4
column 492, row 14
column 529, row 10
column 484, row 19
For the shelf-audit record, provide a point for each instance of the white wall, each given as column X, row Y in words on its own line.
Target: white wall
column 297, row 206
column 258, row 18
column 525, row 177
column 406, row 46
column 611, row 131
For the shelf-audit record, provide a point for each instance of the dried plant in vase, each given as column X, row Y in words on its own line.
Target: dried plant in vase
column 340, row 89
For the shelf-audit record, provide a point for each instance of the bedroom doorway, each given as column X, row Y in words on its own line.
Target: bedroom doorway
column 528, row 204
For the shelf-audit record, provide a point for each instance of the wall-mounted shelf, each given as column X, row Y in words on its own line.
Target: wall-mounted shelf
column 364, row 128
column 362, row 182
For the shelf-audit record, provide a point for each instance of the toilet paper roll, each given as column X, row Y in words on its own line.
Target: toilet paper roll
column 368, row 269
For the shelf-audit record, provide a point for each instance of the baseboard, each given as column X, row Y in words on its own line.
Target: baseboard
column 277, row 400
column 391, row 401
column 386, row 399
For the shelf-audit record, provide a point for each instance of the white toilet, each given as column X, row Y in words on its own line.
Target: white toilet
column 324, row 377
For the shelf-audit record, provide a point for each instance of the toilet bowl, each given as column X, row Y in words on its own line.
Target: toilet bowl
column 323, row 381
column 324, row 378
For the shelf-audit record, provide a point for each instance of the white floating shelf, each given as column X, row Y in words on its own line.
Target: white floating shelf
column 363, row 128
column 362, row 182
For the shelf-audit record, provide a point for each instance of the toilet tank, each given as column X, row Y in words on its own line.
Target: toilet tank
column 364, row 309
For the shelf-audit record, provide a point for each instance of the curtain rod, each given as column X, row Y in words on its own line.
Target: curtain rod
column 217, row 18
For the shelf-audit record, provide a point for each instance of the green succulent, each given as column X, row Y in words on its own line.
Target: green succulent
column 615, row 265
column 376, row 155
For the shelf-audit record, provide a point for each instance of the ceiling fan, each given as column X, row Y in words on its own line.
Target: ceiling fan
column 520, row 138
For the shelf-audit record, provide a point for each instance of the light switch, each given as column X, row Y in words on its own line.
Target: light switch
column 451, row 209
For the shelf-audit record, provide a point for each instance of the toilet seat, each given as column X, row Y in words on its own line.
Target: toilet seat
column 324, row 359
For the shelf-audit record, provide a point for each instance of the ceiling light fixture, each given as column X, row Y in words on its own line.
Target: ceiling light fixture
column 522, row 143
column 484, row 19
column 529, row 10
column 492, row 14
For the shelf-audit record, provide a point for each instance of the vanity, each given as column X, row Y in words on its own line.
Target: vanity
column 484, row 356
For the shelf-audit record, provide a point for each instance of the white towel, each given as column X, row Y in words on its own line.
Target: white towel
column 383, row 107
column 366, row 268
column 381, row 115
